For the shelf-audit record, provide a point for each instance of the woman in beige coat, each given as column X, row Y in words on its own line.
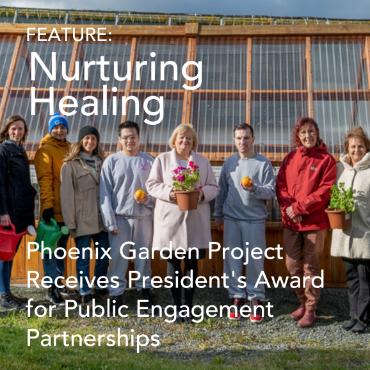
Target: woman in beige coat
column 353, row 243
column 80, row 206
column 175, row 229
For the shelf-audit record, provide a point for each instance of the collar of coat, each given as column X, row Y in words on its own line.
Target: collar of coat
column 13, row 147
column 321, row 148
column 50, row 140
column 193, row 157
column 359, row 166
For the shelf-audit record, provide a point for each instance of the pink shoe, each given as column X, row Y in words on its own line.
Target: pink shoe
column 298, row 313
column 307, row 320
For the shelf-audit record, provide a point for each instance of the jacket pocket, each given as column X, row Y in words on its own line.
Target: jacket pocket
column 85, row 182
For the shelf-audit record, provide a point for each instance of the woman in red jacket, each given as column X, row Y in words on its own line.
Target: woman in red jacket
column 303, row 190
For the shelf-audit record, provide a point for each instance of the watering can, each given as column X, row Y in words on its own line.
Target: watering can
column 9, row 240
column 48, row 234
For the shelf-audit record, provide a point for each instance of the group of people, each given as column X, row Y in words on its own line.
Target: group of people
column 96, row 197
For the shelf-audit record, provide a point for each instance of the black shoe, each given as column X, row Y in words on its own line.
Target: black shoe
column 101, row 293
column 54, row 296
column 349, row 324
column 116, row 300
column 7, row 302
column 86, row 299
column 67, row 294
column 147, row 295
column 20, row 300
column 359, row 328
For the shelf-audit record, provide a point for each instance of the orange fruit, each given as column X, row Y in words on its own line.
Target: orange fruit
column 246, row 181
column 139, row 194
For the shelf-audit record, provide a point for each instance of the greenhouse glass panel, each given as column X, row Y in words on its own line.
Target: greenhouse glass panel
column 273, row 122
column 214, row 117
column 6, row 51
column 338, row 117
column 155, row 138
column 278, row 64
column 45, row 50
column 164, row 75
column 338, row 64
column 224, row 63
column 118, row 56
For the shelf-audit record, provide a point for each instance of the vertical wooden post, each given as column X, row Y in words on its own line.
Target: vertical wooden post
column 191, row 31
column 75, row 51
column 249, row 82
column 186, row 107
column 367, row 56
column 132, row 64
column 10, row 77
column 310, row 107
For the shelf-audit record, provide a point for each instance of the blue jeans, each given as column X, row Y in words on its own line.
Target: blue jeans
column 83, row 262
column 5, row 273
column 54, row 267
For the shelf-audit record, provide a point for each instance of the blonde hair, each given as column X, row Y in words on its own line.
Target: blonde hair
column 357, row 132
column 77, row 148
column 181, row 129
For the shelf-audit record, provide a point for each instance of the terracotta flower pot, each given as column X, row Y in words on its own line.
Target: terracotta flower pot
column 187, row 200
column 337, row 219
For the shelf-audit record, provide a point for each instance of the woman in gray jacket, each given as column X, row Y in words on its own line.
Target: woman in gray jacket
column 353, row 243
column 80, row 207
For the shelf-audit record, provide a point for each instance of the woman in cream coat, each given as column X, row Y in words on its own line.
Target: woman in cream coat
column 353, row 243
column 174, row 229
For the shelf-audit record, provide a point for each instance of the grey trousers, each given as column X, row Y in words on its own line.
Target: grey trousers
column 140, row 232
column 236, row 234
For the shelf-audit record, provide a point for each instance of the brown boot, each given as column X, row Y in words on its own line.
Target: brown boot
column 307, row 320
column 298, row 313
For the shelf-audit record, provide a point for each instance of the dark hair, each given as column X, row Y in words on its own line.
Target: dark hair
column 244, row 126
column 357, row 132
column 301, row 121
column 128, row 124
column 4, row 133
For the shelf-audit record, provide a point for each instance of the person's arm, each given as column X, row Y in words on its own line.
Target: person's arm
column 266, row 188
column 3, row 184
column 67, row 192
column 155, row 184
column 210, row 187
column 44, row 171
column 106, row 187
column 223, row 188
column 319, row 198
column 284, row 198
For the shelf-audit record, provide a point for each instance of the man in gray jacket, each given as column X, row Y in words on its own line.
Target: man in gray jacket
column 246, row 182
column 127, row 211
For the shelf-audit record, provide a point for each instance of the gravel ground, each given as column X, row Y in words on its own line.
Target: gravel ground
column 227, row 339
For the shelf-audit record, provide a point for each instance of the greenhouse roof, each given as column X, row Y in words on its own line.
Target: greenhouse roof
column 55, row 16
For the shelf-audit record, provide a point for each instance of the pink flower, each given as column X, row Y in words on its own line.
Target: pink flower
column 180, row 178
column 192, row 165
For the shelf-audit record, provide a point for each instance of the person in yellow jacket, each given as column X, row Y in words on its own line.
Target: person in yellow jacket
column 48, row 163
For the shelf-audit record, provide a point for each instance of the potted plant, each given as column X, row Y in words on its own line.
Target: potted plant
column 341, row 205
column 184, row 186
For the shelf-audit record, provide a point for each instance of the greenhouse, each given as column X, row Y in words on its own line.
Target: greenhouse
column 264, row 71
